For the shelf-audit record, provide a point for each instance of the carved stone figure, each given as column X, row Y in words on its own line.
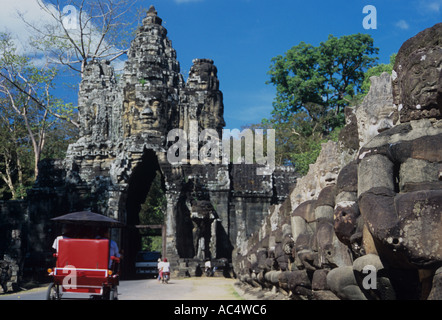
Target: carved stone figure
column 377, row 112
column 399, row 187
column 373, row 231
column 417, row 85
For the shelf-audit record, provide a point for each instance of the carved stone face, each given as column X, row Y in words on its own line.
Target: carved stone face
column 417, row 76
column 203, row 75
column 328, row 177
column 149, row 112
column 421, row 85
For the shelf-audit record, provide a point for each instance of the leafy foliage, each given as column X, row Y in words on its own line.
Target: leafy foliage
column 28, row 130
column 152, row 213
column 319, row 80
column 313, row 86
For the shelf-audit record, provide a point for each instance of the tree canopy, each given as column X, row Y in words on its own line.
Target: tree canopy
column 28, row 130
column 319, row 81
column 313, row 86
column 152, row 213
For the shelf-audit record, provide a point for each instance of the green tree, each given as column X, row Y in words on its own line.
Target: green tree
column 296, row 144
column 152, row 210
column 59, row 136
column 152, row 213
column 26, row 103
column 15, row 158
column 25, row 97
column 319, row 80
column 313, row 86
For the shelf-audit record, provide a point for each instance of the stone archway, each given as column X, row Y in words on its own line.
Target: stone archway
column 138, row 185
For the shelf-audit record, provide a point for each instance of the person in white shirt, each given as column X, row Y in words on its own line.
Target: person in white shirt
column 66, row 233
column 208, row 268
column 165, row 268
column 166, row 265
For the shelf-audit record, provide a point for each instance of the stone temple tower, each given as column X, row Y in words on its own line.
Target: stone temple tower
column 151, row 83
column 123, row 146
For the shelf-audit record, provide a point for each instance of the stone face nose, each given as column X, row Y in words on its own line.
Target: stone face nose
column 147, row 112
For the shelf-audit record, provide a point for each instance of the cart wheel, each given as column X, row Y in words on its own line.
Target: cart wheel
column 113, row 294
column 53, row 292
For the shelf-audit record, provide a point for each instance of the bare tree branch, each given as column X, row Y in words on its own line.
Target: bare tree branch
column 98, row 32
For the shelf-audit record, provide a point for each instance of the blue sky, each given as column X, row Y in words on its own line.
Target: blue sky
column 242, row 36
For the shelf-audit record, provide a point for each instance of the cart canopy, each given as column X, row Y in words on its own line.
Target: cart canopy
column 90, row 219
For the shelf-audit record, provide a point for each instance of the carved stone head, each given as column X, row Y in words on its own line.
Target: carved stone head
column 151, row 108
column 203, row 75
column 417, row 75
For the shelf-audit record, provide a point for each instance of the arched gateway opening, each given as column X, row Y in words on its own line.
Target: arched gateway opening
column 145, row 208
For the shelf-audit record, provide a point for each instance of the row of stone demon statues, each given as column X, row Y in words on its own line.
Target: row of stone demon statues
column 373, row 231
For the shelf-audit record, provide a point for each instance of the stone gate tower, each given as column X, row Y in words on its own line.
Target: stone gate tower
column 124, row 127
column 123, row 145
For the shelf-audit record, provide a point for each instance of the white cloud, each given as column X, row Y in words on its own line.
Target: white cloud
column 434, row 6
column 15, row 18
column 11, row 22
column 430, row 6
column 30, row 10
column 402, row 24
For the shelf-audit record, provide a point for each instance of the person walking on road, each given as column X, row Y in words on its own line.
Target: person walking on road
column 165, row 271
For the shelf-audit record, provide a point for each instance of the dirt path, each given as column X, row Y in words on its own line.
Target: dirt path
column 180, row 289
column 198, row 288
column 211, row 289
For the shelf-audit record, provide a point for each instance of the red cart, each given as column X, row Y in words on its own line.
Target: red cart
column 84, row 266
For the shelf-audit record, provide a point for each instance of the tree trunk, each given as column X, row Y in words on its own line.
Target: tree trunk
column 7, row 178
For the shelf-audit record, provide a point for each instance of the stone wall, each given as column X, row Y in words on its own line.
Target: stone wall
column 13, row 228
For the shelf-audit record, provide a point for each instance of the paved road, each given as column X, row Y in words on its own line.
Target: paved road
column 149, row 289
